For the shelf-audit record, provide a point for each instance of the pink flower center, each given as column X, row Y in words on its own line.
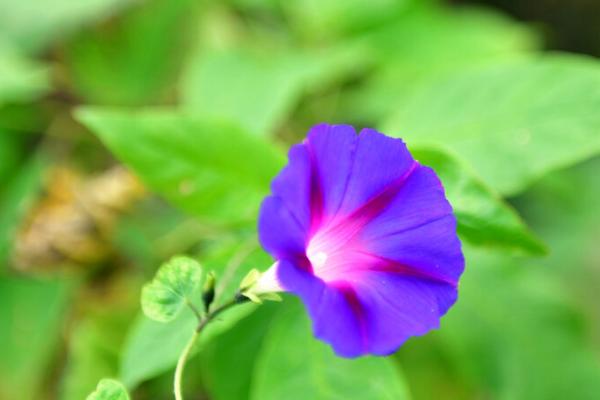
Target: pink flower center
column 335, row 252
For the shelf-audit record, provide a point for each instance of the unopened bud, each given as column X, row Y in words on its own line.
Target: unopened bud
column 258, row 286
column 208, row 290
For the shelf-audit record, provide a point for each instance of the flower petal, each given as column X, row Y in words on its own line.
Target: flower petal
column 420, row 200
column 373, row 316
column 418, row 229
column 379, row 162
column 396, row 307
column 431, row 249
column 279, row 230
column 332, row 152
column 333, row 319
column 284, row 218
column 293, row 185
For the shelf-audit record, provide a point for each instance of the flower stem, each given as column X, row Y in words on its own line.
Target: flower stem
column 238, row 299
column 181, row 364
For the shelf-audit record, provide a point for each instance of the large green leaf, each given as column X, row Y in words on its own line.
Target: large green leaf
column 430, row 42
column 133, row 60
column 252, row 89
column 171, row 289
column 237, row 347
column 211, row 169
column 258, row 89
column 483, row 217
column 296, row 366
column 513, row 121
column 428, row 38
column 515, row 334
column 33, row 314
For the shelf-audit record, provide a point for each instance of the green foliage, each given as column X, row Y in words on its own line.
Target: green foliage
column 232, row 259
column 254, row 89
column 109, row 389
column 10, row 154
column 240, row 82
column 519, row 361
column 211, row 169
column 21, row 79
column 53, row 18
column 239, row 347
column 173, row 287
column 258, row 89
column 317, row 20
column 483, row 217
column 132, row 60
column 429, row 43
column 15, row 199
column 33, row 313
column 153, row 347
column 509, row 119
column 446, row 39
column 293, row 365
column 94, row 351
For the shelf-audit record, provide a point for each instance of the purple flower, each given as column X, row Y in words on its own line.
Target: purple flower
column 364, row 235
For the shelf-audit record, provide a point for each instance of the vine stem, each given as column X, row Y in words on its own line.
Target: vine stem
column 181, row 364
column 203, row 321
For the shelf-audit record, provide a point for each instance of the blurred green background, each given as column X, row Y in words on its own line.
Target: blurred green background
column 133, row 130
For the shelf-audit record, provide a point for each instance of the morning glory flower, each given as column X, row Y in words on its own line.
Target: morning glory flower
column 364, row 235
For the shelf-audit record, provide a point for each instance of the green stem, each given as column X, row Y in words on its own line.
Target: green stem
column 194, row 309
column 181, row 365
column 238, row 299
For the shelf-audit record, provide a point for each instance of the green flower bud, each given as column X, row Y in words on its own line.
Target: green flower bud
column 208, row 290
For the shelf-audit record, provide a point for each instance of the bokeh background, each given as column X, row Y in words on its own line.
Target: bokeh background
column 134, row 130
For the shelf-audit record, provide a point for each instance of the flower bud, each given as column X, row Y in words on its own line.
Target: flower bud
column 208, row 290
column 258, row 286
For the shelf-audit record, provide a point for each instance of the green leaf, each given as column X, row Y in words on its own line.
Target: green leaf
column 15, row 200
column 10, row 154
column 94, row 345
column 135, row 58
column 258, row 89
column 58, row 18
column 326, row 20
column 173, row 286
column 507, row 344
column 33, row 314
column 509, row 120
column 109, row 389
column 21, row 79
column 254, row 90
column 241, row 347
column 430, row 42
column 153, row 347
column 483, row 217
column 446, row 37
column 296, row 366
column 211, row 169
